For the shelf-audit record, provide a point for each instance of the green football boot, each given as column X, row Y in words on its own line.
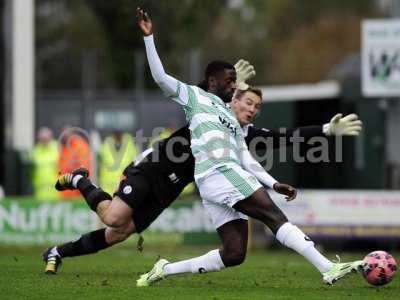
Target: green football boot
column 340, row 270
column 156, row 274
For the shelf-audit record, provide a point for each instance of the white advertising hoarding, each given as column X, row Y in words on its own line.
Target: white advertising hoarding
column 381, row 58
column 348, row 207
column 325, row 213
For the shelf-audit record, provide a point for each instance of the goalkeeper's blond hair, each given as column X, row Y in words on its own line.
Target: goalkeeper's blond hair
column 239, row 93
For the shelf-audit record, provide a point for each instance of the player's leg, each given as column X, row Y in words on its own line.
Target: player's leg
column 116, row 214
column 233, row 236
column 261, row 207
column 231, row 226
column 113, row 211
column 93, row 195
column 112, row 214
column 88, row 243
column 232, row 252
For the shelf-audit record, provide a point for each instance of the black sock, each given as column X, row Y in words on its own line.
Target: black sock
column 92, row 194
column 88, row 243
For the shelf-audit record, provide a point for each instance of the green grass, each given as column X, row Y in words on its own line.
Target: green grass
column 111, row 275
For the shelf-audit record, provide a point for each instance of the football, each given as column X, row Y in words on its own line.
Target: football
column 379, row 268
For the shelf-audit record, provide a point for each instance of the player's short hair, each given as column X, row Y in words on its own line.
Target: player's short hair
column 239, row 93
column 203, row 85
column 212, row 69
column 217, row 66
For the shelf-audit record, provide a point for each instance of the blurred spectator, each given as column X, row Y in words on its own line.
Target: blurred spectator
column 44, row 158
column 75, row 152
column 116, row 153
column 165, row 133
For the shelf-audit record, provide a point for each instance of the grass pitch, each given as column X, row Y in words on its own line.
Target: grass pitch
column 112, row 274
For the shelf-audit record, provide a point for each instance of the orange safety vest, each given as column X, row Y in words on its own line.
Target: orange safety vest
column 75, row 153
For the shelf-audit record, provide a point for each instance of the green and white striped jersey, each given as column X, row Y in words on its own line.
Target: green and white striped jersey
column 216, row 136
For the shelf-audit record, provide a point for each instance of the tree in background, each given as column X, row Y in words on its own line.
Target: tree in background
column 66, row 33
column 288, row 41
column 182, row 25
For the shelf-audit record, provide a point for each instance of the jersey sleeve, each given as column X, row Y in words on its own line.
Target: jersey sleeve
column 171, row 87
column 262, row 138
column 254, row 167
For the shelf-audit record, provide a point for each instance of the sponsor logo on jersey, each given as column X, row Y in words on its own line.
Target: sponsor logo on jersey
column 173, row 178
column 228, row 124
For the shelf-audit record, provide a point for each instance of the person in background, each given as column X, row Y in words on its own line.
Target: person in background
column 165, row 133
column 44, row 158
column 116, row 153
column 75, row 152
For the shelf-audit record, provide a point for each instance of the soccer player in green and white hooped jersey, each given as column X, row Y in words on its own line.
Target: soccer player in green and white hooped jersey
column 157, row 178
column 226, row 174
column 156, row 183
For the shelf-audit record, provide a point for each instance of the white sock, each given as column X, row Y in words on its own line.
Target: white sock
column 75, row 180
column 209, row 262
column 54, row 251
column 292, row 237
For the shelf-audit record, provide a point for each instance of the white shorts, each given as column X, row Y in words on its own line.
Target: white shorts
column 222, row 189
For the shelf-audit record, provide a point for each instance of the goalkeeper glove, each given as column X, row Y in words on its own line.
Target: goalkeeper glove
column 244, row 71
column 348, row 125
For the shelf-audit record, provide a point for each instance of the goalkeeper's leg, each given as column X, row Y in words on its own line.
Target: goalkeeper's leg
column 112, row 212
column 89, row 243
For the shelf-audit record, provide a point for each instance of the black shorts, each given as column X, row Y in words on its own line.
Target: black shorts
column 137, row 190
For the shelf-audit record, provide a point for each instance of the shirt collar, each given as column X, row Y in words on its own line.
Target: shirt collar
column 245, row 128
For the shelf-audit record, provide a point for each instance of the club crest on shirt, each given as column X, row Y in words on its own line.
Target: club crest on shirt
column 127, row 189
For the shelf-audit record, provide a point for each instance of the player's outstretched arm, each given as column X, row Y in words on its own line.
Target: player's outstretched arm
column 254, row 167
column 349, row 125
column 168, row 84
column 262, row 138
column 339, row 125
